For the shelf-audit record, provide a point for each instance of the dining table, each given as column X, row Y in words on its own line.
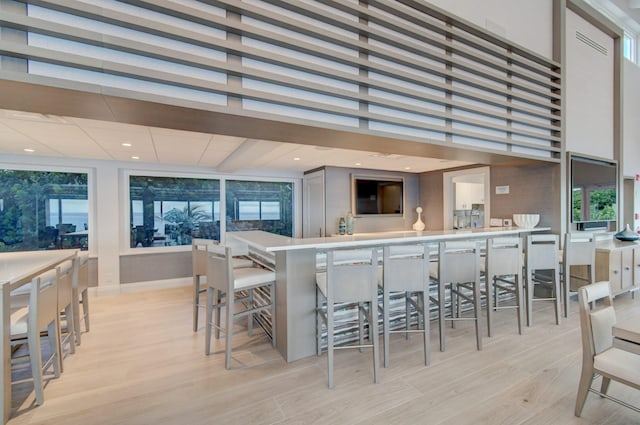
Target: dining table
column 17, row 269
column 626, row 334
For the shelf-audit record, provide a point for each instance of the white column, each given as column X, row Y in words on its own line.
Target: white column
column 108, row 228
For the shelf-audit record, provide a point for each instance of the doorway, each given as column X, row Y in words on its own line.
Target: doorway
column 466, row 198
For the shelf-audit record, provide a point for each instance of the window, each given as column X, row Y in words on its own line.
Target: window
column 168, row 211
column 264, row 206
column 629, row 47
column 43, row 210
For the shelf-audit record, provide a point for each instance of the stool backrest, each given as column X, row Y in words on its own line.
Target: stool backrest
column 459, row 262
column 220, row 267
column 542, row 252
column 351, row 275
column 504, row 256
column 199, row 249
column 406, row 267
column 579, row 249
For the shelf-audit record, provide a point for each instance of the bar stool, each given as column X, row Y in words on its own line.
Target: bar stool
column 348, row 283
column 27, row 323
column 459, row 274
column 226, row 280
column 503, row 272
column 542, row 269
column 579, row 251
column 81, row 294
column 199, row 250
column 406, row 273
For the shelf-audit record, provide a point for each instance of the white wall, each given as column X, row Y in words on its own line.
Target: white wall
column 589, row 90
column 631, row 119
column 528, row 23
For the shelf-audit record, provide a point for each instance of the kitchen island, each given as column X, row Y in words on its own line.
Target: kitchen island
column 294, row 261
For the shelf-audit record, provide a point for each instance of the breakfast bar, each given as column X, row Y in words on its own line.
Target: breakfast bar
column 295, row 266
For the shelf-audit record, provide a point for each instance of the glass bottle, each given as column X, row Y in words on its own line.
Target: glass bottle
column 342, row 226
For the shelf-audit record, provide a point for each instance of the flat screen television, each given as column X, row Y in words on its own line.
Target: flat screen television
column 594, row 190
column 377, row 196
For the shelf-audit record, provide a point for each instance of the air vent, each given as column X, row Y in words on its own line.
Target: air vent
column 591, row 43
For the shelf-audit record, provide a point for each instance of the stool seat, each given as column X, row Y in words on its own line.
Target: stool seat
column 245, row 278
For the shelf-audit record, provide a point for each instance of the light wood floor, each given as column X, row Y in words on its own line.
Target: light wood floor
column 142, row 364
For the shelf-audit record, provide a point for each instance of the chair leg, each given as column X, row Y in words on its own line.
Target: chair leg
column 604, row 387
column 272, row 291
column 586, row 377
column 360, row 308
column 318, row 323
column 218, row 301
column 196, row 301
column 330, row 343
column 385, row 326
column 407, row 309
column 229, row 328
column 209, row 317
column 489, row 289
column 373, row 325
column 441, row 314
column 76, row 316
column 250, row 316
column 426, row 327
column 69, row 315
column 477, row 311
column 85, row 309
column 519, row 301
column 558, row 296
column 529, row 285
column 35, row 357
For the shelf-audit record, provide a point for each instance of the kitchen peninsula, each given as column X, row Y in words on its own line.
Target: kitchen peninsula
column 294, row 260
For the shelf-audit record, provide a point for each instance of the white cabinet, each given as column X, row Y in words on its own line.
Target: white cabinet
column 619, row 263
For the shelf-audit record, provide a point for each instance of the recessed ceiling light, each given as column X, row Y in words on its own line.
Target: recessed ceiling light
column 407, row 168
column 296, row 158
column 29, row 150
column 126, row 145
column 135, row 157
column 357, row 163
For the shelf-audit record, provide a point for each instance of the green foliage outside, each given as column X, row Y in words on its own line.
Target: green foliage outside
column 602, row 205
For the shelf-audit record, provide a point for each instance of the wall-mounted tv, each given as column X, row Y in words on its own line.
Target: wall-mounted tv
column 594, row 190
column 377, row 195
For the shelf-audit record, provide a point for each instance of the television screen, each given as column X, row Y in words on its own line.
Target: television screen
column 593, row 190
column 376, row 196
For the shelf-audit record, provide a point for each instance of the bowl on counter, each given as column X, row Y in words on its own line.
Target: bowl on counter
column 526, row 221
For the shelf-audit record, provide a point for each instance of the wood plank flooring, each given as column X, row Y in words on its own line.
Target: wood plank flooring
column 142, row 364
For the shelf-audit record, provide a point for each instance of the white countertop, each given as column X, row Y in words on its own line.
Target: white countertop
column 16, row 267
column 271, row 242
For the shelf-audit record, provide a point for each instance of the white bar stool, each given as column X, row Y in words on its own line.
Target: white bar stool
column 199, row 250
column 459, row 274
column 503, row 272
column 226, row 280
column 81, row 295
column 406, row 272
column 542, row 269
column 579, row 251
column 350, row 278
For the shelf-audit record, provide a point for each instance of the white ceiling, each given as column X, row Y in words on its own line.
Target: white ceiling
column 55, row 136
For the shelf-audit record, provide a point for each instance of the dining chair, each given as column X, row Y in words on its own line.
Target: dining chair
column 458, row 280
column 348, row 286
column 41, row 315
column 81, row 295
column 578, row 264
column 199, row 250
column 542, row 271
column 232, row 288
column 406, row 276
column 599, row 356
column 503, row 273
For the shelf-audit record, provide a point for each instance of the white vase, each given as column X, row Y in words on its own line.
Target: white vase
column 418, row 225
